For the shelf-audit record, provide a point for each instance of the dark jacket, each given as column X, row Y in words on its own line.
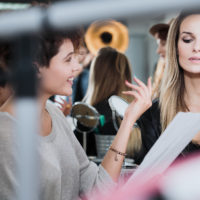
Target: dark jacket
column 150, row 126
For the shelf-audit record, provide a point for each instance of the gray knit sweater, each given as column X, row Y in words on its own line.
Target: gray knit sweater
column 65, row 171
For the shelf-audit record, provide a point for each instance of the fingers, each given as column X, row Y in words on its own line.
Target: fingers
column 142, row 85
column 139, row 82
column 142, row 89
column 149, row 85
column 132, row 93
column 134, row 88
column 142, row 97
column 65, row 104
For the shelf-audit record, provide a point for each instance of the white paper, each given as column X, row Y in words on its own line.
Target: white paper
column 170, row 144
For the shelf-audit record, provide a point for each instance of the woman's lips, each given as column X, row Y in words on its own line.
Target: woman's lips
column 70, row 80
column 194, row 59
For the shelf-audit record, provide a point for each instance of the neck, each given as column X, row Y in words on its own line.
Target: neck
column 42, row 97
column 46, row 121
column 192, row 91
column 8, row 106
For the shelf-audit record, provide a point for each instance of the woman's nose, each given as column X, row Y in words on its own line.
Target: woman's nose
column 76, row 65
column 196, row 47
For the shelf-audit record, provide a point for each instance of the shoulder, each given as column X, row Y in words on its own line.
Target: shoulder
column 103, row 108
column 59, row 119
column 102, row 105
column 57, row 116
column 53, row 109
column 7, row 121
column 7, row 127
column 150, row 120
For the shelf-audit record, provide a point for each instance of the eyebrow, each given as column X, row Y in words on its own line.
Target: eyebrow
column 189, row 33
column 69, row 54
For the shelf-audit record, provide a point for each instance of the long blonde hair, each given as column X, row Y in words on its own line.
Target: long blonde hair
column 108, row 73
column 173, row 85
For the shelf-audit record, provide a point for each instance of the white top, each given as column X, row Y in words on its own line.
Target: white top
column 65, row 170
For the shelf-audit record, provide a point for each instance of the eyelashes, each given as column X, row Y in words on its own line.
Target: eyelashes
column 69, row 59
column 187, row 40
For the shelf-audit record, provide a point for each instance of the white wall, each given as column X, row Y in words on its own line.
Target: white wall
column 142, row 46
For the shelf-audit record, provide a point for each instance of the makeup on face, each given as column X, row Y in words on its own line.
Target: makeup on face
column 189, row 44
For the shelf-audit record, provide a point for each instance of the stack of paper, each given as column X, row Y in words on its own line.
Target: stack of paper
column 170, row 144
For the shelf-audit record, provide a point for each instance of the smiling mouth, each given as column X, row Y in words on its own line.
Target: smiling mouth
column 70, row 80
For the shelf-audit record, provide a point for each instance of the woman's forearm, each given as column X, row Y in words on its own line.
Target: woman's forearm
column 113, row 161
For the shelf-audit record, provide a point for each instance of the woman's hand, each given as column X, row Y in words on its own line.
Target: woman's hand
column 142, row 98
column 65, row 106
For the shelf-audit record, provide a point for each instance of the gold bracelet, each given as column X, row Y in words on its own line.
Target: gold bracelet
column 117, row 152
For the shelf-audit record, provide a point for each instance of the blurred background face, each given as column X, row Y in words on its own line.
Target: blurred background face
column 189, row 44
column 161, row 46
column 82, row 53
column 84, row 58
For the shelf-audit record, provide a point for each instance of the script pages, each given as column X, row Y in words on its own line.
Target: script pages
column 170, row 144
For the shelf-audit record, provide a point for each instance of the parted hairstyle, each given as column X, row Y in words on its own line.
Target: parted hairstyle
column 173, row 85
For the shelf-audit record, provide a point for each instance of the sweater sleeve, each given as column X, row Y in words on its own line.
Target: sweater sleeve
column 8, row 183
column 91, row 175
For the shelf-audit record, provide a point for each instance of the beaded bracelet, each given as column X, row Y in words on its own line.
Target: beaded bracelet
column 117, row 152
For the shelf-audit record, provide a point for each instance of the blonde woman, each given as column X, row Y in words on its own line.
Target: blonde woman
column 180, row 88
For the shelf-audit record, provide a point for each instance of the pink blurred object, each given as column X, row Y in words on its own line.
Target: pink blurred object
column 179, row 182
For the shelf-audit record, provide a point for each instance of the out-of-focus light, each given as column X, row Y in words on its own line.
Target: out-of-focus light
column 13, row 6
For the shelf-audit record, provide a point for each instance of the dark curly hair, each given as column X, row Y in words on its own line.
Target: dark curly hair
column 5, row 58
column 49, row 44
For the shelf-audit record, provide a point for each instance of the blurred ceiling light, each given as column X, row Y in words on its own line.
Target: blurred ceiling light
column 13, row 6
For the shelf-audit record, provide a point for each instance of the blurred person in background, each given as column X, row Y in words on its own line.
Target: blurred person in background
column 159, row 32
column 109, row 71
column 80, row 84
